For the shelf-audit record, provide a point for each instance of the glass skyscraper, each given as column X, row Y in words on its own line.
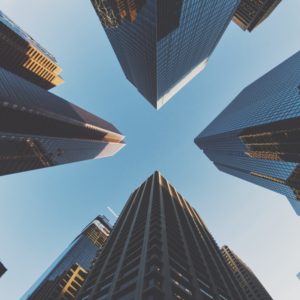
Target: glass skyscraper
column 161, row 45
column 252, row 287
column 65, row 277
column 39, row 129
column 22, row 55
column 160, row 249
column 251, row 13
column 256, row 137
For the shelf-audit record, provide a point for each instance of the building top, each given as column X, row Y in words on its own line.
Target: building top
column 251, row 13
column 245, row 276
column 23, row 56
column 100, row 228
column 104, row 220
column 24, row 35
column 160, row 249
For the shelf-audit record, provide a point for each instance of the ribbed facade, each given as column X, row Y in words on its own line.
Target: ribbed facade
column 160, row 249
column 22, row 55
column 39, row 129
column 244, row 275
column 66, row 275
column 162, row 45
column 256, row 137
column 251, row 13
column 2, row 269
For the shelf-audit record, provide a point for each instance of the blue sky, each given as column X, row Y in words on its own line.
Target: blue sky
column 42, row 211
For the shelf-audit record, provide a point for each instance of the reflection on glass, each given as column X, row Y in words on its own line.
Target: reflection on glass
column 256, row 137
column 74, row 263
column 163, row 45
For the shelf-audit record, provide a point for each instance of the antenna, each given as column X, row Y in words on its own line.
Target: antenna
column 113, row 212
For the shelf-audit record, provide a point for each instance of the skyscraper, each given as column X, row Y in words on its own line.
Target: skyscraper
column 64, row 278
column 160, row 249
column 2, row 269
column 251, row 13
column 22, row 55
column 162, row 45
column 244, row 275
column 39, row 129
column 256, row 137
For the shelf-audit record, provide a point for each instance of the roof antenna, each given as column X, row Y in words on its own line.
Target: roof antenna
column 113, row 212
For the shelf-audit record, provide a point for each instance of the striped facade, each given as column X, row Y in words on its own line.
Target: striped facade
column 245, row 276
column 160, row 249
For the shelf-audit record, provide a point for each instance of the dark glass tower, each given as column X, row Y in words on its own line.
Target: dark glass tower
column 244, row 275
column 66, row 275
column 22, row 55
column 251, row 13
column 162, row 44
column 256, row 137
column 2, row 269
column 160, row 249
column 39, row 129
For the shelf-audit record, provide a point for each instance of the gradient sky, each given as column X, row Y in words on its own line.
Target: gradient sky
column 42, row 211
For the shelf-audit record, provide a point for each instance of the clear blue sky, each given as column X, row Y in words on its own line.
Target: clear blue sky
column 42, row 211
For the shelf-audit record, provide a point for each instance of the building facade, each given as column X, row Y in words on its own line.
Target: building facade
column 251, row 13
column 244, row 275
column 39, row 129
column 162, row 45
column 22, row 55
column 160, row 249
column 66, row 275
column 256, row 136
column 2, row 269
